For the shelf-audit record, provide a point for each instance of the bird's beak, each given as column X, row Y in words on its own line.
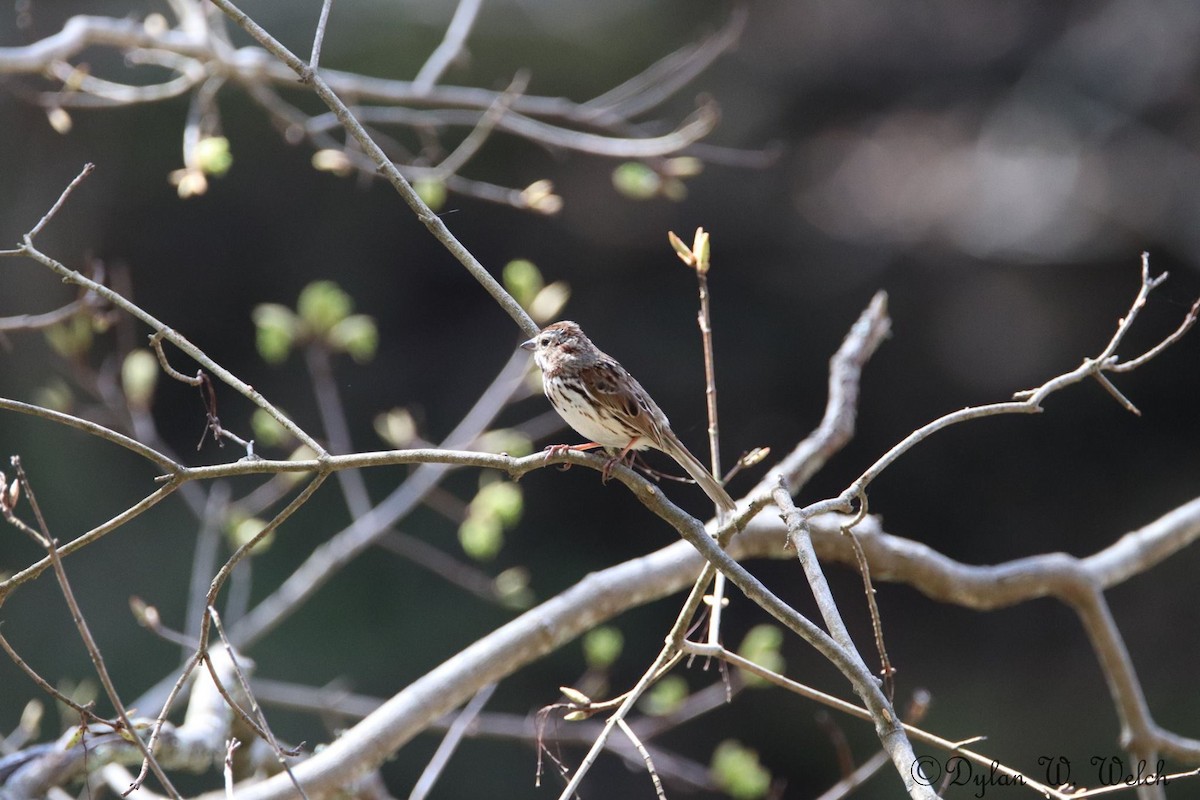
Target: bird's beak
column 528, row 344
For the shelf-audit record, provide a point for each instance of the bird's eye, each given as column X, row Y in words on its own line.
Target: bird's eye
column 544, row 341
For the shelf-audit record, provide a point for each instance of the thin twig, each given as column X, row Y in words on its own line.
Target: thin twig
column 437, row 561
column 95, row 429
column 85, row 712
column 157, row 726
column 690, row 130
column 84, row 90
column 812, row 568
column 641, row 748
column 223, row 574
column 668, row 75
column 262, row 725
column 857, row 777
column 204, row 560
column 83, row 540
column 886, row 670
column 700, row 256
column 202, row 119
column 426, row 215
column 450, row 46
column 469, row 146
column 228, row 768
column 33, row 322
column 652, row 674
column 81, row 625
column 172, row 336
column 1188, row 321
column 368, row 528
column 251, row 65
column 336, row 425
column 62, row 198
column 458, row 729
column 913, row 732
column 666, row 659
column 340, row 705
column 314, row 60
column 1024, row 402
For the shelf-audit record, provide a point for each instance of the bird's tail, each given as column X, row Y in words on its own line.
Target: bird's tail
column 702, row 476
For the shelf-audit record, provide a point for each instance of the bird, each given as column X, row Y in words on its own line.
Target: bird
column 601, row 401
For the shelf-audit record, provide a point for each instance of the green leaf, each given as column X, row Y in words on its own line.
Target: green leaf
column 243, row 532
column 523, row 280
column 139, row 375
column 505, row 440
column 56, row 395
column 674, row 189
column 683, row 166
column 666, row 696
column 432, row 192
column 549, row 301
column 267, row 430
column 213, row 156
column 512, row 586
column 481, row 536
column 501, row 499
column 322, row 305
column 276, row 327
column 602, row 646
column 71, row 338
column 761, row 646
column 736, row 769
column 396, row 427
column 356, row 335
column 636, row 181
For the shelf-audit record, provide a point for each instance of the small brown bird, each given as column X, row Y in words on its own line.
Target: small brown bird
column 603, row 402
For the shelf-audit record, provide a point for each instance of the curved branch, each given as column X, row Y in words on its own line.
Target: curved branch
column 108, row 434
column 83, row 540
column 82, row 32
column 161, row 329
column 449, row 48
column 425, row 214
column 47, row 319
column 596, row 598
column 1077, row 582
column 692, row 129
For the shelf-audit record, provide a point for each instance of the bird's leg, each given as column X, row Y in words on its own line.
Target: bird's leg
column 606, row 473
column 557, row 449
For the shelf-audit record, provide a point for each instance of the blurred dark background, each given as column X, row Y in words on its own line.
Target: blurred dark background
column 996, row 167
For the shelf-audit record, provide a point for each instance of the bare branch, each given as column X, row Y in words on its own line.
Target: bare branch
column 62, row 198
column 431, row 220
column 314, row 60
column 450, row 46
column 107, row 434
column 258, row 722
column 696, row 126
column 641, row 748
column 1077, row 582
column 32, row 322
column 85, row 633
column 78, row 543
column 449, row 744
column 200, row 55
column 1025, row 402
column 198, row 355
column 668, row 75
column 366, row 529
